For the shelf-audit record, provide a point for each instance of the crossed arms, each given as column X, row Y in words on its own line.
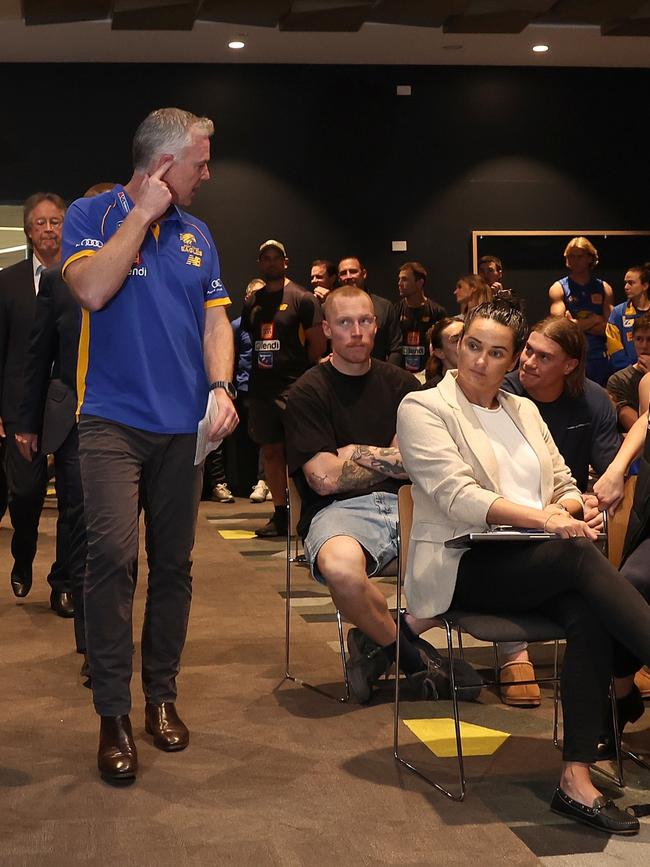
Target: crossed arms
column 353, row 468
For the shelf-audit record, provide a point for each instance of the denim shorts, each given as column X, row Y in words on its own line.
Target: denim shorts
column 370, row 519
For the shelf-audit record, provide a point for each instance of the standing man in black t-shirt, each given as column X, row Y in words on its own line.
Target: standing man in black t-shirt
column 388, row 340
column 284, row 321
column 342, row 451
column 416, row 314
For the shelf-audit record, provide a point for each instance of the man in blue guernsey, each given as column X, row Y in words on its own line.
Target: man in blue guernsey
column 155, row 340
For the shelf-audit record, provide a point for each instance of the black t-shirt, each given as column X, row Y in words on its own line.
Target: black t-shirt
column 277, row 322
column 583, row 428
column 327, row 409
column 414, row 322
column 388, row 340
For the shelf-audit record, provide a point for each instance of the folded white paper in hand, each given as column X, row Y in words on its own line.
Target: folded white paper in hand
column 203, row 445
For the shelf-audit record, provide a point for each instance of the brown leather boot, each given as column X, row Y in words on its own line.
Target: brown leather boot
column 515, row 694
column 117, row 757
column 169, row 731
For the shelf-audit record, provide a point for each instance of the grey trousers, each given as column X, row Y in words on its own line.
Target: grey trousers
column 114, row 458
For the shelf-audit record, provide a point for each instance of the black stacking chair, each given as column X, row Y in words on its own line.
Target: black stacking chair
column 489, row 628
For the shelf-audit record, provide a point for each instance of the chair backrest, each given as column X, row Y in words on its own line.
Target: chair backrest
column 405, row 512
column 617, row 525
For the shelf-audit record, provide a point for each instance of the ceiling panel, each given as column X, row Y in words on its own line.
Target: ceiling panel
column 590, row 11
column 258, row 13
column 416, row 13
column 171, row 16
column 505, row 16
column 330, row 16
column 46, row 12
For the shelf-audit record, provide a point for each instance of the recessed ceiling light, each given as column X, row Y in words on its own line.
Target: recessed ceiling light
column 236, row 44
column 540, row 49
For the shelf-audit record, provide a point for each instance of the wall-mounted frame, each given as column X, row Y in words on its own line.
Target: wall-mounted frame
column 533, row 258
column 13, row 247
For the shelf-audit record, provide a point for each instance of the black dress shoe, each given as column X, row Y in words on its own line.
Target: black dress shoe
column 61, row 603
column 169, row 731
column 629, row 709
column 21, row 579
column 603, row 815
column 117, row 757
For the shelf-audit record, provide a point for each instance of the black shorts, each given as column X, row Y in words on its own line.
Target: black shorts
column 265, row 415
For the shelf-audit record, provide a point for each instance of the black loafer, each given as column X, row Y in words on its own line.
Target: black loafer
column 603, row 815
column 21, row 579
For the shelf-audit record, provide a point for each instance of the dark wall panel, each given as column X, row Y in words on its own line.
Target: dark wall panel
column 331, row 161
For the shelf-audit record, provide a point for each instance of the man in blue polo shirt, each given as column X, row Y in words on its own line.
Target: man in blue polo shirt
column 155, row 339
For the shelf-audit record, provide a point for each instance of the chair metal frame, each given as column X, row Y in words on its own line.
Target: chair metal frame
column 452, row 623
column 295, row 557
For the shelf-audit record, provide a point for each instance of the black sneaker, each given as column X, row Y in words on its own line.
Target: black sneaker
column 439, row 673
column 275, row 527
column 368, row 661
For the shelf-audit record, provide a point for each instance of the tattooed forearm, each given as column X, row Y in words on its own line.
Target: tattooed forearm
column 354, row 477
column 386, row 461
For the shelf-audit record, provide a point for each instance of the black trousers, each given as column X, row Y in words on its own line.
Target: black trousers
column 114, row 459
column 570, row 582
column 71, row 530
column 26, row 486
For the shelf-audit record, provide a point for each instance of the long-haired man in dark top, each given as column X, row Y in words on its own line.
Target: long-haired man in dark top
column 416, row 314
column 343, row 453
column 388, row 340
column 284, row 321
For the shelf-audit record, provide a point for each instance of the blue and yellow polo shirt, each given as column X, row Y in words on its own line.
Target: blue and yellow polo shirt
column 141, row 356
column 620, row 340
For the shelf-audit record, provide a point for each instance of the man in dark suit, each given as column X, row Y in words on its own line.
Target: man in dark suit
column 27, row 479
column 48, row 421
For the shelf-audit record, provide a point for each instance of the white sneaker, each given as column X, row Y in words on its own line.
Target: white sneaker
column 222, row 494
column 260, row 492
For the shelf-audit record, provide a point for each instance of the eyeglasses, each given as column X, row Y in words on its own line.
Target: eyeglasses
column 54, row 223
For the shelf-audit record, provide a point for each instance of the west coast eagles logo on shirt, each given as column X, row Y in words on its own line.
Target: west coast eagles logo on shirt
column 188, row 245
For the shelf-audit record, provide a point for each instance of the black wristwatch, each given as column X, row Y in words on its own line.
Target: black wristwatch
column 228, row 387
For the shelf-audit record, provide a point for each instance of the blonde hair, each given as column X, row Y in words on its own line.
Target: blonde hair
column 583, row 244
column 481, row 292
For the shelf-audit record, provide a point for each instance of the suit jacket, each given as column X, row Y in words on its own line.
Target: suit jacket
column 17, row 303
column 50, row 392
column 455, row 478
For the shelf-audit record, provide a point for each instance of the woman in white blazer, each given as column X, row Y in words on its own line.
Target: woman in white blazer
column 478, row 457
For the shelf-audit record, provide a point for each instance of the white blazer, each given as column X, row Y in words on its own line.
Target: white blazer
column 455, row 478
